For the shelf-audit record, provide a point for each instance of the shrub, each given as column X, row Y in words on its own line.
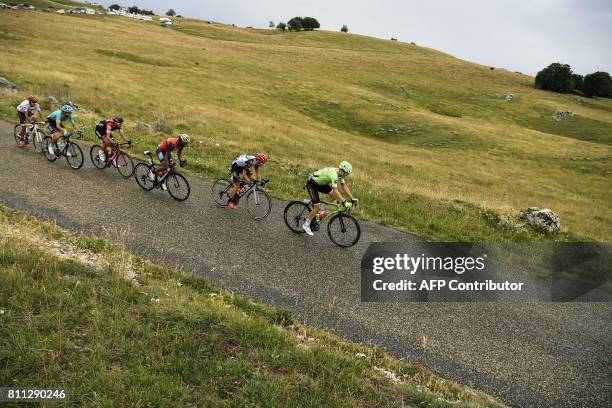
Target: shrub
column 171, row 13
column 556, row 77
column 310, row 23
column 271, row 24
column 578, row 81
column 114, row 7
column 282, row 26
column 598, row 84
column 344, row 29
column 295, row 24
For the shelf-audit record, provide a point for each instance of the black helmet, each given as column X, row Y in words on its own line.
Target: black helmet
column 118, row 119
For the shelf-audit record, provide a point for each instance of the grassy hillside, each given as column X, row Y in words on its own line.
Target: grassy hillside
column 436, row 148
column 114, row 330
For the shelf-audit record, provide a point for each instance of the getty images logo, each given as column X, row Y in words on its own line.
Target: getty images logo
column 423, row 263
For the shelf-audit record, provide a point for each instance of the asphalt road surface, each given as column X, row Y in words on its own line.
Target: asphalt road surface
column 526, row 355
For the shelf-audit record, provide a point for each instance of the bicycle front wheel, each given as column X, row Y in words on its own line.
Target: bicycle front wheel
column 343, row 230
column 45, row 148
column 141, row 174
column 94, row 155
column 178, row 187
column 258, row 204
column 74, row 155
column 125, row 164
column 16, row 134
column 38, row 141
column 220, row 192
column 296, row 214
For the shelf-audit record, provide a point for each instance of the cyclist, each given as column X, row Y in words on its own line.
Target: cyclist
column 164, row 154
column 326, row 181
column 104, row 131
column 55, row 122
column 241, row 167
column 25, row 113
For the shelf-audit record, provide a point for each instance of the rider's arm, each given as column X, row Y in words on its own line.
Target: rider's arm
column 347, row 190
column 179, row 153
column 122, row 134
column 258, row 172
column 73, row 123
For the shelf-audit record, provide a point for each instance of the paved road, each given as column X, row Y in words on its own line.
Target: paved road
column 532, row 355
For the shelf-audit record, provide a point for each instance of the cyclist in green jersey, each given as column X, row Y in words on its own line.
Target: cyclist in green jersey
column 326, row 181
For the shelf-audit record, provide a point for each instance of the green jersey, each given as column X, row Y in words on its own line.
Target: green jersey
column 327, row 177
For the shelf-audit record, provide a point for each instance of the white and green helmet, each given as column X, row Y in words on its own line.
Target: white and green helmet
column 346, row 167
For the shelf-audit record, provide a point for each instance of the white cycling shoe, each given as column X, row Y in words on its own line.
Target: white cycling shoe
column 164, row 186
column 51, row 151
column 306, row 227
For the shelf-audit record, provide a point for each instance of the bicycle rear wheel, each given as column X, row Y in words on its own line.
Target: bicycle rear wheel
column 38, row 141
column 295, row 215
column 220, row 192
column 94, row 155
column 343, row 230
column 258, row 204
column 74, row 155
column 45, row 149
column 141, row 174
column 125, row 164
column 178, row 187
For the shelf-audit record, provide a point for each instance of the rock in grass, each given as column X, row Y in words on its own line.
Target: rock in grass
column 8, row 85
column 542, row 218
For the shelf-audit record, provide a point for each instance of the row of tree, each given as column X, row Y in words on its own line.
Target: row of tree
column 298, row 23
column 132, row 9
column 136, row 10
column 559, row 77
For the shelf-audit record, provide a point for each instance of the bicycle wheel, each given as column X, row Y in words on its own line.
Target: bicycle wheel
column 258, row 204
column 16, row 134
column 220, row 191
column 38, row 141
column 74, row 155
column 296, row 213
column 178, row 187
column 125, row 164
column 141, row 174
column 344, row 230
column 94, row 155
column 45, row 149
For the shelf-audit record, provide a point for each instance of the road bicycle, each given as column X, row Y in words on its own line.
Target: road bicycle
column 64, row 147
column 258, row 202
column 33, row 134
column 343, row 229
column 176, row 183
column 118, row 159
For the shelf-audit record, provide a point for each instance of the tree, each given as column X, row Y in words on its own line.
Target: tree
column 171, row 13
column 282, row 26
column 114, row 7
column 598, row 84
column 310, row 23
column 578, row 81
column 295, row 24
column 271, row 25
column 134, row 10
column 556, row 77
column 344, row 29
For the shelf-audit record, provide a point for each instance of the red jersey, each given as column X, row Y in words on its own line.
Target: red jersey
column 169, row 145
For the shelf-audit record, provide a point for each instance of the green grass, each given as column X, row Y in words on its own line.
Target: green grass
column 165, row 338
column 435, row 147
